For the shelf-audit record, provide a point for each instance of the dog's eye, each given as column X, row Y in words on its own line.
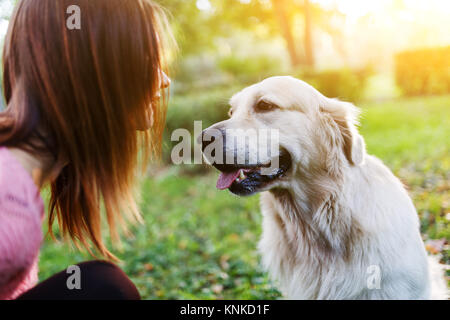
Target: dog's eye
column 263, row 106
column 230, row 113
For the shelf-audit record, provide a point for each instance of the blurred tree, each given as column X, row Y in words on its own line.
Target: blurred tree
column 285, row 20
column 196, row 29
column 197, row 23
column 309, row 53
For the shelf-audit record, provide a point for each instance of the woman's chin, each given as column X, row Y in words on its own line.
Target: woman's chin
column 144, row 127
column 145, row 124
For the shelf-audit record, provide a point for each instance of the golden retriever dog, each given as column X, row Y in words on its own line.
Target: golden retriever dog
column 337, row 224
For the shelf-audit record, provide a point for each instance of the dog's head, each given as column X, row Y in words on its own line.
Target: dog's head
column 278, row 128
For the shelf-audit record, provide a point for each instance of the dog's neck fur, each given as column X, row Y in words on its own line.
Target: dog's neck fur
column 320, row 214
column 318, row 217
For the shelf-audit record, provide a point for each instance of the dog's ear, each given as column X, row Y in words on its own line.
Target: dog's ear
column 345, row 115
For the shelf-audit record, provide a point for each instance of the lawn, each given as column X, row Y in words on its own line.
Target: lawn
column 199, row 243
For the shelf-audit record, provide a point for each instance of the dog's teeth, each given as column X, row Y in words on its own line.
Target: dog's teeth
column 242, row 175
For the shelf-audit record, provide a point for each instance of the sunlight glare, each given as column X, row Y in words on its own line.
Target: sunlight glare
column 204, row 5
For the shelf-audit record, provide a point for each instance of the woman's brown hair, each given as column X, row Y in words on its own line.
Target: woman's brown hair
column 80, row 95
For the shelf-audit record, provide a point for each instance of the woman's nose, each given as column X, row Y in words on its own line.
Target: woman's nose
column 165, row 81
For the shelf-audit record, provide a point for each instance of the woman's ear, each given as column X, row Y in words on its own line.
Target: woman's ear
column 345, row 115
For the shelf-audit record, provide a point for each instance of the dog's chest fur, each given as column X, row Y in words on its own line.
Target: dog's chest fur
column 323, row 252
column 305, row 255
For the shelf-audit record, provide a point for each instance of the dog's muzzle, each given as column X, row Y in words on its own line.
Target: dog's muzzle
column 242, row 172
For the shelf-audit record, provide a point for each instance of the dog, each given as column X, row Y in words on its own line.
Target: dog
column 337, row 223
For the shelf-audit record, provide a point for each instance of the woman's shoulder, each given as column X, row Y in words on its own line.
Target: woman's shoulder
column 21, row 213
column 18, row 192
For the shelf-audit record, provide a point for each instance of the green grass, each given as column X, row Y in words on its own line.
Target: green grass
column 199, row 243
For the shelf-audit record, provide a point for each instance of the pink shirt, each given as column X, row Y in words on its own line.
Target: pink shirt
column 21, row 216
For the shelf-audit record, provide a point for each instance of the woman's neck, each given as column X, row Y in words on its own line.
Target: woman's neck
column 39, row 167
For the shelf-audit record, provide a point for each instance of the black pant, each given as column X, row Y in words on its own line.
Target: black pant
column 99, row 280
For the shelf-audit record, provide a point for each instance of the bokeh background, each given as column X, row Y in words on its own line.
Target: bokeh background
column 390, row 58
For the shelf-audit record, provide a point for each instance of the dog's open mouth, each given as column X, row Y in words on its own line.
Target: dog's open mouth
column 246, row 179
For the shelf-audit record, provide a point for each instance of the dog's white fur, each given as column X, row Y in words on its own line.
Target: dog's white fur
column 340, row 218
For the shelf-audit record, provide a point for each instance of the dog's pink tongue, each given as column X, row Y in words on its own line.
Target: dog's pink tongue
column 226, row 179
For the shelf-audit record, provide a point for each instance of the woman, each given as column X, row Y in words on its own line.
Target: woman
column 81, row 105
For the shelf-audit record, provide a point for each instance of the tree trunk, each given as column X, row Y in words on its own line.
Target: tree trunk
column 286, row 26
column 309, row 53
